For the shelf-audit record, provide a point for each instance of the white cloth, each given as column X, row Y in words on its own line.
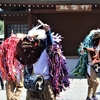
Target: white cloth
column 89, row 70
column 41, row 66
column 89, row 64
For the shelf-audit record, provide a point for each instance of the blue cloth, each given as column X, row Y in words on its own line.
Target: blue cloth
column 0, row 74
column 49, row 38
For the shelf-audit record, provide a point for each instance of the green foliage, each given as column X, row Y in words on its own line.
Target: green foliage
column 1, row 27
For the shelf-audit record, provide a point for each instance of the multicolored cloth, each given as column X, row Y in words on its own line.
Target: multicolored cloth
column 9, row 65
column 81, row 67
column 58, row 69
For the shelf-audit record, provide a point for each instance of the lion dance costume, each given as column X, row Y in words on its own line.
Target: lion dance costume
column 89, row 62
column 38, row 53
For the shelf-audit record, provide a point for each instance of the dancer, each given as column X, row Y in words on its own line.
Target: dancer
column 47, row 61
column 38, row 52
column 89, row 61
column 11, row 68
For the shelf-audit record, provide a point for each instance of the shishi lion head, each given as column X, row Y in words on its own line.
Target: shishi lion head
column 95, row 37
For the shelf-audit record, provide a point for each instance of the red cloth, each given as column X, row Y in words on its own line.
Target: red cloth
column 9, row 65
column 95, row 55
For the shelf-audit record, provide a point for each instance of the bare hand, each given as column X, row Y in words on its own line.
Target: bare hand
column 46, row 27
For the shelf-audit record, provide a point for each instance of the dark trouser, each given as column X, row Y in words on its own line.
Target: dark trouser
column 93, row 82
column 46, row 94
column 2, row 83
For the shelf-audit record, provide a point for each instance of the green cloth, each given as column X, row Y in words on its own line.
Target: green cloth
column 81, row 67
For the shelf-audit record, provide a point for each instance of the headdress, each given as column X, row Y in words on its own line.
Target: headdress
column 39, row 33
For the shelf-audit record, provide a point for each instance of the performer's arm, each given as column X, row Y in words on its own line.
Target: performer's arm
column 48, row 33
